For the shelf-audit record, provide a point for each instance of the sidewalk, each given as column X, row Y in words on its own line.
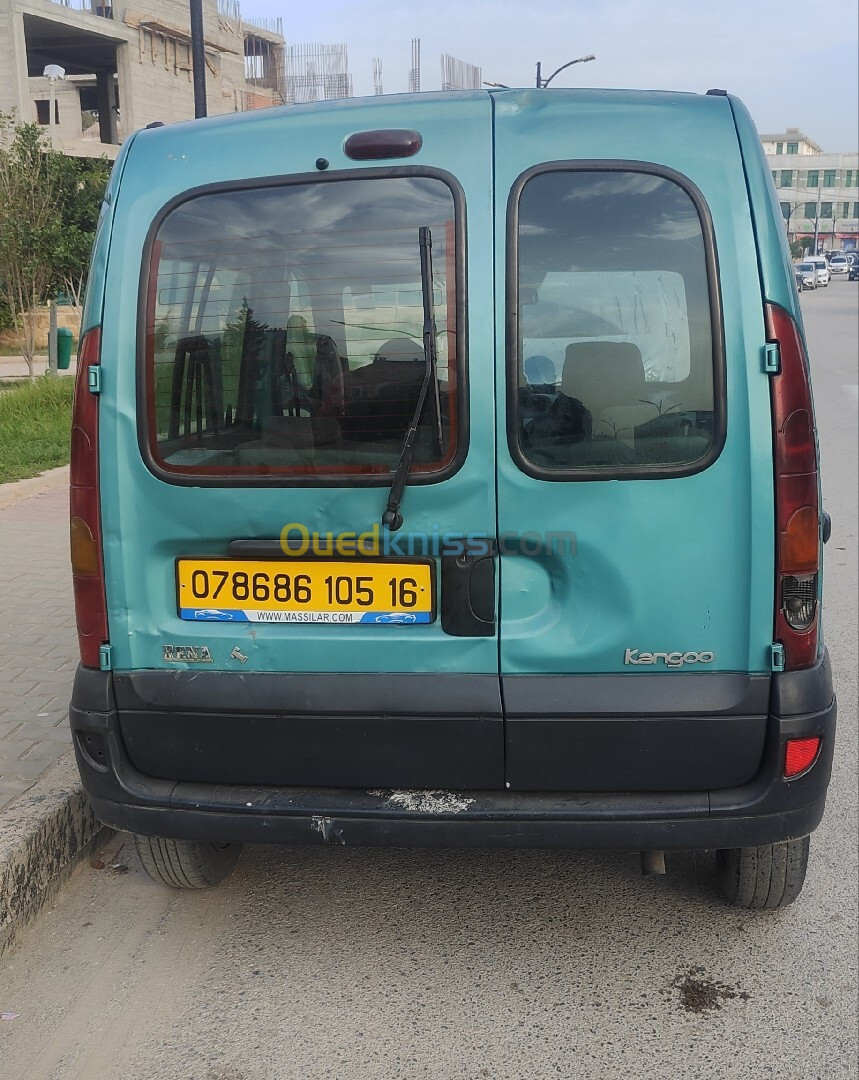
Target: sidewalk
column 44, row 821
column 38, row 646
column 15, row 367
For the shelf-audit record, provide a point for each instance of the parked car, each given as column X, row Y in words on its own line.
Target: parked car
column 822, row 270
column 806, row 276
column 458, row 619
column 838, row 264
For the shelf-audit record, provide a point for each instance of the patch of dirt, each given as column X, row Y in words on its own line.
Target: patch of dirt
column 700, row 994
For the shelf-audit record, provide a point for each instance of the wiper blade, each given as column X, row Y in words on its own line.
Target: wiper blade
column 392, row 519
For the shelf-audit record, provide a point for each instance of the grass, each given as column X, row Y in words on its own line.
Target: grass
column 35, row 422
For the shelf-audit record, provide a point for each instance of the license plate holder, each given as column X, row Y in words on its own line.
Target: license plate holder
column 334, row 592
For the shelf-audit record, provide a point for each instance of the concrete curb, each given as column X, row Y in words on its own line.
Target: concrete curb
column 34, row 485
column 44, row 835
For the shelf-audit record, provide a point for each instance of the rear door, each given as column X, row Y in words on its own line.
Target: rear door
column 247, row 456
column 635, row 500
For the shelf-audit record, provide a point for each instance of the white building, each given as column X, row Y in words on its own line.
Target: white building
column 791, row 142
column 818, row 192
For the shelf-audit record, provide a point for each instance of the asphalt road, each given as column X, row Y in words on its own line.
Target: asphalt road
column 398, row 964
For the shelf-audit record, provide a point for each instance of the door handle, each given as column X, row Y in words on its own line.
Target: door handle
column 468, row 594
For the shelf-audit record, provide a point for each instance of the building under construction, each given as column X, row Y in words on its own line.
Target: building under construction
column 117, row 65
column 126, row 64
column 315, row 73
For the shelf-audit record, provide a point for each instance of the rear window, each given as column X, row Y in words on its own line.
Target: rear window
column 284, row 329
column 615, row 365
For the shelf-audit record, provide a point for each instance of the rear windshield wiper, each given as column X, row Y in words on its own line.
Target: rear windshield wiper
column 392, row 519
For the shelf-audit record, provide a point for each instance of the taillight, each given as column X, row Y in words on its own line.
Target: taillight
column 85, row 526
column 796, row 495
column 800, row 755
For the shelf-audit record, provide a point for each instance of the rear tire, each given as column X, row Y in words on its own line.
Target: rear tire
column 769, row 877
column 186, row 864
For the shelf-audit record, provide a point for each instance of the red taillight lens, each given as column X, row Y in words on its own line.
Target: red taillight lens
column 799, row 755
column 796, row 495
column 85, row 528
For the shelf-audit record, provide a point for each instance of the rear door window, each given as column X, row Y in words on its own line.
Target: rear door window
column 616, row 352
column 283, row 330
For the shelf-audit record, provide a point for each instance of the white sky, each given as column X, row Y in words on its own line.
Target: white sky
column 793, row 63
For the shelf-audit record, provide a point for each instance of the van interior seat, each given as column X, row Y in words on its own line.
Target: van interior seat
column 381, row 397
column 607, row 377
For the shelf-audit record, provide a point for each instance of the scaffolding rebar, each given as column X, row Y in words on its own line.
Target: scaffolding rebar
column 314, row 71
column 415, row 71
column 458, row 75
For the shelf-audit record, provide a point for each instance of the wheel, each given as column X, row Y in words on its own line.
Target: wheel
column 763, row 877
column 186, row 864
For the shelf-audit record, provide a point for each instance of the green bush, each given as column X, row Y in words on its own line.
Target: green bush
column 35, row 424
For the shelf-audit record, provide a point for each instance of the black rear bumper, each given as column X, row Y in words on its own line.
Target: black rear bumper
column 764, row 810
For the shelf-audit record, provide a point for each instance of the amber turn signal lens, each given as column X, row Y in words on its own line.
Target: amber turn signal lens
column 800, row 542
column 84, row 548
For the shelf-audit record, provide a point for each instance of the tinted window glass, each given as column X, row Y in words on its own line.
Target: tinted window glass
column 614, row 351
column 285, row 329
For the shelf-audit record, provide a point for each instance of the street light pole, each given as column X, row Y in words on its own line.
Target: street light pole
column 53, row 72
column 198, row 58
column 542, row 83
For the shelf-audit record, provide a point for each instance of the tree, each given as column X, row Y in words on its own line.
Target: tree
column 48, row 214
column 81, row 182
column 29, row 219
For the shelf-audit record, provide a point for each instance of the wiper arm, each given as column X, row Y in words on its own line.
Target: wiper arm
column 392, row 519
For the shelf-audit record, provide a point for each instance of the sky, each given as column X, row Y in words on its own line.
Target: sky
column 793, row 63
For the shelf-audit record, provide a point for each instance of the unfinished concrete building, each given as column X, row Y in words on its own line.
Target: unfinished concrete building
column 124, row 65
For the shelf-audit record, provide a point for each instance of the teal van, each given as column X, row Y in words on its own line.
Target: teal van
column 445, row 473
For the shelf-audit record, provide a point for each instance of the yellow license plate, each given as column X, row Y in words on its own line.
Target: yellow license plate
column 305, row 591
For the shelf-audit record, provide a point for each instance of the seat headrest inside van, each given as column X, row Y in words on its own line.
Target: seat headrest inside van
column 603, row 373
column 400, row 349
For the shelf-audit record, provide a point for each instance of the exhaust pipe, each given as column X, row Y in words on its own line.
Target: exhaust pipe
column 652, row 862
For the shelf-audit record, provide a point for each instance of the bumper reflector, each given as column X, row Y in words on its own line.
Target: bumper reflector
column 799, row 755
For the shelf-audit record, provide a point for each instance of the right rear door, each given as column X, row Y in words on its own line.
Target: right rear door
column 635, row 501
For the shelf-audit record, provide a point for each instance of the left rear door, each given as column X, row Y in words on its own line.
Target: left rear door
column 277, row 286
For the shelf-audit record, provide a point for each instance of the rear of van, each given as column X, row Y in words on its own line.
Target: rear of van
column 445, row 472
